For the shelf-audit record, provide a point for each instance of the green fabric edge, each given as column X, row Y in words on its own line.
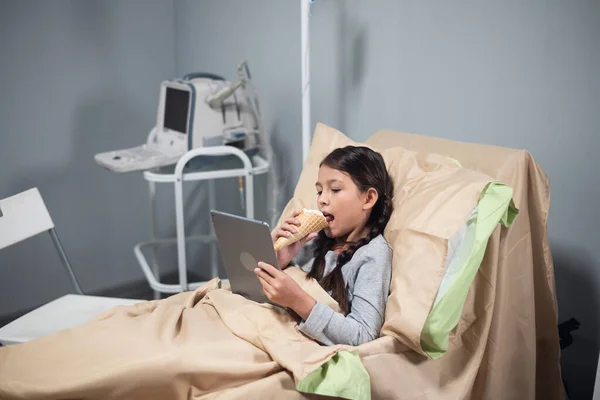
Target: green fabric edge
column 494, row 206
column 344, row 375
column 455, row 161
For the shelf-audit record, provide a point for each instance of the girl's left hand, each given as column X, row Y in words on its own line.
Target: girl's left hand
column 280, row 288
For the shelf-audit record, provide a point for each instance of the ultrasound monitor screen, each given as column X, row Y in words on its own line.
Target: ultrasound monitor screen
column 176, row 109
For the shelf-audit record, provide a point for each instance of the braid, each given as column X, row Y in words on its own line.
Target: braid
column 322, row 245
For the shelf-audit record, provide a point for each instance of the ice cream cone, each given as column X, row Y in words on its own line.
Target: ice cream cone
column 310, row 221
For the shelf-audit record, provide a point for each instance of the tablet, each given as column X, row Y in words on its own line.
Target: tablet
column 243, row 242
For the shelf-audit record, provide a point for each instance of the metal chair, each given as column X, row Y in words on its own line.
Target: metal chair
column 23, row 216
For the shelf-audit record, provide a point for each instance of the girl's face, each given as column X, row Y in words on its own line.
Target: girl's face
column 346, row 208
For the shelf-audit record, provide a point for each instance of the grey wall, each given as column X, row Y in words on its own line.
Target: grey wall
column 76, row 79
column 268, row 39
column 511, row 73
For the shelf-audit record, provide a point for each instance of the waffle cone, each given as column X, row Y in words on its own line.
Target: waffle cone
column 310, row 221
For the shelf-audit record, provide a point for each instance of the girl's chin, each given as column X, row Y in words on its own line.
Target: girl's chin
column 328, row 232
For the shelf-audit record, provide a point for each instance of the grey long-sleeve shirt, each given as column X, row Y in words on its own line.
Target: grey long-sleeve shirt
column 367, row 276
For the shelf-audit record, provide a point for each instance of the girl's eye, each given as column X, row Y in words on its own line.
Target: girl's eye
column 335, row 190
column 319, row 193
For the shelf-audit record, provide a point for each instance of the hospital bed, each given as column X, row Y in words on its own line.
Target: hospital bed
column 504, row 346
column 514, row 352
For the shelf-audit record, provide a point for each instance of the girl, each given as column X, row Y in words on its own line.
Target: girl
column 352, row 260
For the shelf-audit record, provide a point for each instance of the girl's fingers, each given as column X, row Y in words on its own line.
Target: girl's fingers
column 266, row 287
column 284, row 231
column 293, row 221
column 268, row 269
column 264, row 276
column 288, row 228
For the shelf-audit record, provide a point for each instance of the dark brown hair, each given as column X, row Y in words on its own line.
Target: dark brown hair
column 367, row 170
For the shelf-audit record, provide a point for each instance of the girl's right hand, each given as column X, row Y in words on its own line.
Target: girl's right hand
column 287, row 229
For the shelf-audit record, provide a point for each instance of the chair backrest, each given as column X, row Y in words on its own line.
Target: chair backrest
column 22, row 216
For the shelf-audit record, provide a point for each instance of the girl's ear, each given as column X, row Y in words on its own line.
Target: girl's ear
column 370, row 199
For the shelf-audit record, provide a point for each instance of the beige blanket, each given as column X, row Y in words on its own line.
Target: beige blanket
column 212, row 344
column 187, row 346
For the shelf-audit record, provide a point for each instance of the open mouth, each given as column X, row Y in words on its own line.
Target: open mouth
column 328, row 217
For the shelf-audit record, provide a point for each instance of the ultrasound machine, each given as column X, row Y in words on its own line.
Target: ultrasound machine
column 200, row 110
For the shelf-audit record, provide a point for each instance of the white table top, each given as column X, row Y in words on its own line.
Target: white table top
column 65, row 312
column 211, row 171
